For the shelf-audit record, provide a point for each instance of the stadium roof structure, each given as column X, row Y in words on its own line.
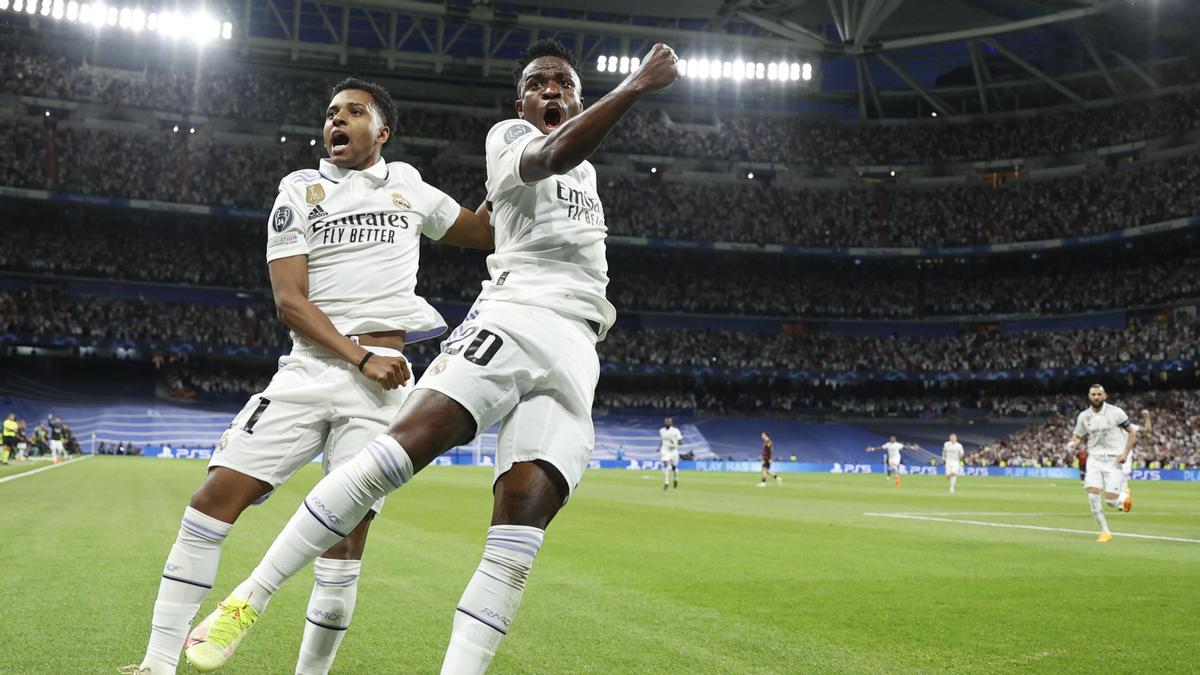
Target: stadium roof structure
column 886, row 58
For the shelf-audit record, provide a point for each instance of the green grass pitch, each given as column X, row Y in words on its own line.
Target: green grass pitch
column 717, row 577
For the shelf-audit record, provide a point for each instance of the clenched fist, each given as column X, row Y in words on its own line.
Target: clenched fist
column 657, row 72
column 388, row 371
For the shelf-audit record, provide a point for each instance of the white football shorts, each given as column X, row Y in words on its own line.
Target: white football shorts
column 1104, row 473
column 953, row 468
column 534, row 371
column 316, row 403
column 671, row 458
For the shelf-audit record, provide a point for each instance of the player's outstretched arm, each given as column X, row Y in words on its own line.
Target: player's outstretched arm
column 1073, row 442
column 569, row 145
column 1130, row 440
column 1146, row 422
column 289, row 283
column 473, row 229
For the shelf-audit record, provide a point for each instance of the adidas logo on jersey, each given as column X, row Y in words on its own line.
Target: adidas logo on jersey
column 317, row 212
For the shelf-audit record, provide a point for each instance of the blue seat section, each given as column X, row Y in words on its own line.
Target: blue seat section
column 152, row 424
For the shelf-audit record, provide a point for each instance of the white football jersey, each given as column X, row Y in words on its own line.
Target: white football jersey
column 361, row 232
column 1104, row 430
column 893, row 451
column 550, row 234
column 952, row 452
column 669, row 440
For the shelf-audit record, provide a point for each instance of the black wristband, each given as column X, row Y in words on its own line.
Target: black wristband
column 362, row 364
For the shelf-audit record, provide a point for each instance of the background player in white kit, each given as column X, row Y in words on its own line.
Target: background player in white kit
column 669, row 438
column 525, row 356
column 1110, row 438
column 342, row 246
column 893, row 448
column 952, row 454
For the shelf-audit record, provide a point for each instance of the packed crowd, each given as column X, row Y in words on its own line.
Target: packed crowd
column 754, row 212
column 1172, row 442
column 171, row 167
column 53, row 313
column 232, row 91
column 1178, row 338
column 145, row 246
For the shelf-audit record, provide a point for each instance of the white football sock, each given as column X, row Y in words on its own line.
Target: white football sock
column 1098, row 511
column 953, row 480
column 330, row 608
column 187, row 577
column 666, row 474
column 333, row 508
column 1114, row 502
column 490, row 601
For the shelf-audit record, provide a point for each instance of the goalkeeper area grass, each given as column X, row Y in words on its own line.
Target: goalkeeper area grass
column 822, row 573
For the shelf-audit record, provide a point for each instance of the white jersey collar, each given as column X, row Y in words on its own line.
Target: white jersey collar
column 377, row 172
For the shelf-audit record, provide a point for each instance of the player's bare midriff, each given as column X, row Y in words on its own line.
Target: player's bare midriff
column 392, row 339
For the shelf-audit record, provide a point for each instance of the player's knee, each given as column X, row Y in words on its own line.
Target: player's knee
column 529, row 494
column 225, row 493
column 430, row 424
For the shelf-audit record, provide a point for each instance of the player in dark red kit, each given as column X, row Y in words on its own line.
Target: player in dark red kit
column 768, row 446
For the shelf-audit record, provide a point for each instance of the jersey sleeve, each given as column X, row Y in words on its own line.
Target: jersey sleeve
column 442, row 212
column 505, row 143
column 285, row 226
column 1121, row 419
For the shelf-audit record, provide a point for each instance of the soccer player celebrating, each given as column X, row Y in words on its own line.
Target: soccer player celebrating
column 768, row 448
column 1110, row 438
column 342, row 249
column 952, row 453
column 1126, row 495
column 668, row 451
column 524, row 357
column 893, row 448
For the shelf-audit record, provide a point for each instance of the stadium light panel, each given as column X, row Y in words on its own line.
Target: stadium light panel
column 85, row 13
column 772, row 71
column 312, row 142
column 59, row 9
column 47, row 113
column 114, row 15
column 634, row 63
column 125, row 18
column 759, row 71
column 612, row 64
column 654, row 169
column 31, row 7
column 806, row 72
column 602, row 63
column 726, row 69
column 3, row 5
column 137, row 20
column 72, row 11
column 175, row 129
column 191, row 130
column 933, row 114
column 47, row 7
column 283, row 139
column 750, row 175
column 794, row 72
column 623, row 66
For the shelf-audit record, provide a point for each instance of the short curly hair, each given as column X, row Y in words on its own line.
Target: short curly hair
column 381, row 101
column 543, row 47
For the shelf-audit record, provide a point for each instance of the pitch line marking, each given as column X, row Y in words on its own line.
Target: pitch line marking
column 1039, row 528
column 44, row 468
column 1026, row 513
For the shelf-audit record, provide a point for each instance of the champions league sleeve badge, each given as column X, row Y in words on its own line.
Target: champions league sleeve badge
column 516, row 131
column 282, row 218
